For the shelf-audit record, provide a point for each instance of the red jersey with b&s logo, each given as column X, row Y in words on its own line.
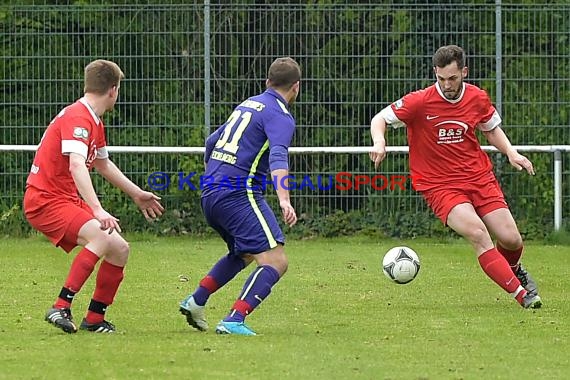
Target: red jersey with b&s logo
column 444, row 149
column 76, row 129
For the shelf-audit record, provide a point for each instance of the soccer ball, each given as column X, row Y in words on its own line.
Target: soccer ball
column 401, row 264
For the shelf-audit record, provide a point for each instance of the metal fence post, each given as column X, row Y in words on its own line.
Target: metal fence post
column 207, row 68
column 498, row 58
column 557, row 190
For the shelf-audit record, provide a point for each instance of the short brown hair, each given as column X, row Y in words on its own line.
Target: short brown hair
column 284, row 72
column 449, row 54
column 101, row 76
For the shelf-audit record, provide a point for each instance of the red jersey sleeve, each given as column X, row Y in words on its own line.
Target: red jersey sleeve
column 101, row 143
column 76, row 133
column 403, row 111
column 407, row 108
column 490, row 117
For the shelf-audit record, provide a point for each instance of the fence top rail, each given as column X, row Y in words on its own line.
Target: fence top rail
column 300, row 149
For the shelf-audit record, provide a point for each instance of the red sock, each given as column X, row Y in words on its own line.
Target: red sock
column 109, row 278
column 498, row 269
column 512, row 257
column 242, row 307
column 80, row 270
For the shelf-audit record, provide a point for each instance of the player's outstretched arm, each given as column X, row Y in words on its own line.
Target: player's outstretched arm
column 377, row 131
column 80, row 175
column 499, row 140
column 147, row 202
column 280, row 135
column 280, row 177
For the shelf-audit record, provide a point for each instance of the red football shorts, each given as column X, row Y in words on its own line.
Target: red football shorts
column 485, row 197
column 57, row 218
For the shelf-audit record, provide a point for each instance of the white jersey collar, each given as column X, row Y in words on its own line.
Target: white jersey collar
column 91, row 111
column 450, row 100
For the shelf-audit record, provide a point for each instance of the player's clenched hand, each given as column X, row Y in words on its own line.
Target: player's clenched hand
column 149, row 204
column 107, row 221
column 289, row 215
column 377, row 153
column 520, row 162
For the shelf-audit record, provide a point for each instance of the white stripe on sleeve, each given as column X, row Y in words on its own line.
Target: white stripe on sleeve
column 391, row 118
column 74, row 146
column 102, row 153
column 493, row 122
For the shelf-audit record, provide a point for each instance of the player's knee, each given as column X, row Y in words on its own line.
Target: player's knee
column 117, row 250
column 285, row 267
column 477, row 235
column 280, row 267
column 275, row 258
column 122, row 248
column 512, row 242
column 281, row 264
column 280, row 261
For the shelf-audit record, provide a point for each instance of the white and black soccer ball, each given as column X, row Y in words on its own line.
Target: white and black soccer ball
column 401, row 264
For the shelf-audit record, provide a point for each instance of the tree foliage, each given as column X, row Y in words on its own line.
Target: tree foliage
column 356, row 59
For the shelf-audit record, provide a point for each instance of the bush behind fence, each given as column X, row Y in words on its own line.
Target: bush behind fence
column 187, row 65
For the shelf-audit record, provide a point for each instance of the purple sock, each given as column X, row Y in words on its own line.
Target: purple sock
column 256, row 289
column 221, row 273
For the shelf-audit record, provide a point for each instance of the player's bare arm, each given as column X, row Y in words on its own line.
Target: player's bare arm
column 377, row 130
column 499, row 140
column 289, row 215
column 82, row 180
column 148, row 203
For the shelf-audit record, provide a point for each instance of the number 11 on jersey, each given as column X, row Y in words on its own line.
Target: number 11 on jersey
column 232, row 145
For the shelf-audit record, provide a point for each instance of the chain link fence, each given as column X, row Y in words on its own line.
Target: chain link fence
column 187, row 65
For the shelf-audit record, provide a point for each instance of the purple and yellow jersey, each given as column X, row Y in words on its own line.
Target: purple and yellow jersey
column 252, row 142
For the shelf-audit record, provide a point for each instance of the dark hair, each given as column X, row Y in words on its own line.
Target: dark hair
column 101, row 76
column 449, row 54
column 283, row 73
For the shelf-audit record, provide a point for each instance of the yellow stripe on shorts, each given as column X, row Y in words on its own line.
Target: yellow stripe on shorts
column 260, row 217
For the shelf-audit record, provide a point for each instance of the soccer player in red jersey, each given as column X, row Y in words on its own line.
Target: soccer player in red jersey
column 60, row 200
column 454, row 174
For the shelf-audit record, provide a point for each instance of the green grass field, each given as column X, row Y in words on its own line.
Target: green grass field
column 333, row 316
